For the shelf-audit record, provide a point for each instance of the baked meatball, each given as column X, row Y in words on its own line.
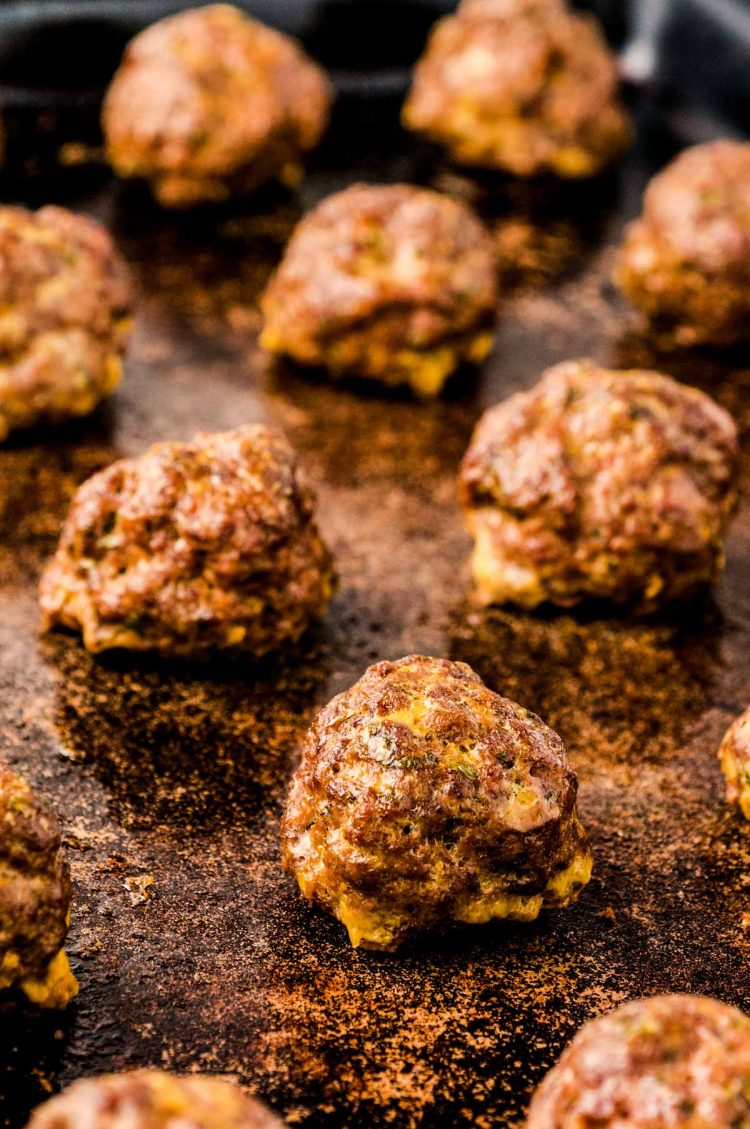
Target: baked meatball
column 669, row 1062
column 734, row 754
column 190, row 548
column 423, row 797
column 153, row 1099
column 393, row 283
column 209, row 104
column 34, row 897
column 527, row 87
column 64, row 306
column 686, row 261
column 605, row 485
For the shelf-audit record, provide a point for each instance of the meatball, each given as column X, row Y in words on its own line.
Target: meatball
column 190, row 548
column 34, row 897
column 526, row 86
column 686, row 261
column 209, row 103
column 153, row 1099
column 423, row 797
column 64, row 306
column 393, row 283
column 669, row 1062
column 616, row 486
column 734, row 754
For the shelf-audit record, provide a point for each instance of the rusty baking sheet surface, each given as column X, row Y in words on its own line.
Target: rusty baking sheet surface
column 193, row 950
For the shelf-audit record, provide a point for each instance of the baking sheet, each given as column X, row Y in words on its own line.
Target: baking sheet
column 176, row 773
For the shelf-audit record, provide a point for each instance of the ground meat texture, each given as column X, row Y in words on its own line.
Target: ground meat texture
column 734, row 754
column 616, row 486
column 669, row 1062
column 209, row 103
column 520, row 85
column 393, row 283
column 34, row 897
column 153, row 1099
column 423, row 797
column 686, row 261
column 190, row 548
column 64, row 316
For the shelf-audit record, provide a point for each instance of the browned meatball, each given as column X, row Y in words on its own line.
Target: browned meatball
column 686, row 261
column 192, row 547
column 669, row 1062
column 601, row 485
column 520, row 85
column 153, row 1099
column 34, row 897
column 210, row 103
column 64, row 305
column 734, row 754
column 391, row 282
column 423, row 797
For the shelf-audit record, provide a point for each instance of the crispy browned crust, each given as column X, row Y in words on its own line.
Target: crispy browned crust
column 64, row 306
column 153, row 1099
column 384, row 281
column 600, row 484
column 34, row 886
column 423, row 797
column 210, row 103
column 192, row 547
column 734, row 754
column 520, row 85
column 686, row 261
column 670, row 1062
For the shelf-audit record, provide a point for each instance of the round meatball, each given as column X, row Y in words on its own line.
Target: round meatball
column 64, row 306
column 423, row 797
column 616, row 486
column 669, row 1062
column 686, row 261
column 190, row 548
column 734, row 754
column 153, row 1099
column 34, row 897
column 393, row 283
column 209, row 104
column 524, row 86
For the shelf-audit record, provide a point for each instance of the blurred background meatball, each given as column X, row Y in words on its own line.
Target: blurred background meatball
column 686, row 261
column 210, row 103
column 734, row 754
column 423, row 797
column 153, row 1099
column 520, row 85
column 34, row 897
column 192, row 547
column 389, row 282
column 64, row 305
column 601, row 485
column 670, row 1062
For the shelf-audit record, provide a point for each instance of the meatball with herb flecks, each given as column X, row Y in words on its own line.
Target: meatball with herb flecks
column 734, row 754
column 668, row 1062
column 524, row 86
column 34, row 897
column 389, row 282
column 153, row 1099
column 686, row 261
column 599, row 484
column 193, row 547
column 423, row 798
column 210, row 103
column 64, row 316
